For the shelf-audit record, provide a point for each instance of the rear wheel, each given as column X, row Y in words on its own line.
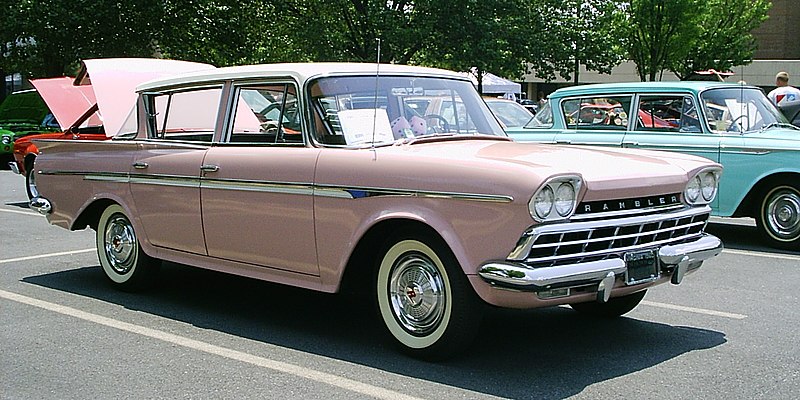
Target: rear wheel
column 614, row 307
column 120, row 253
column 424, row 298
column 778, row 217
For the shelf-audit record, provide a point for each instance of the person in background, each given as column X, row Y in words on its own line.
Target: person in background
column 784, row 92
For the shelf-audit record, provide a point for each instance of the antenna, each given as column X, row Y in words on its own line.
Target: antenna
column 375, row 107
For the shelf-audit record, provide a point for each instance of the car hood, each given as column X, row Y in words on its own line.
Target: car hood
column 607, row 173
column 66, row 101
column 114, row 82
column 776, row 134
column 23, row 107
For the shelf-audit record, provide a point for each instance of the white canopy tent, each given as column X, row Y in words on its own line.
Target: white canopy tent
column 494, row 84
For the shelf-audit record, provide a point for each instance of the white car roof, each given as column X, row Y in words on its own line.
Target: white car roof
column 299, row 71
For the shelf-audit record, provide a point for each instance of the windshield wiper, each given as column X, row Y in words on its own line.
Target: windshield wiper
column 778, row 125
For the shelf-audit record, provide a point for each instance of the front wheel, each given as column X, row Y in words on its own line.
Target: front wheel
column 120, row 253
column 778, row 218
column 614, row 307
column 30, row 180
column 424, row 298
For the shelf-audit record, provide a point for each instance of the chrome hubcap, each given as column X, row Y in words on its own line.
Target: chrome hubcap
column 417, row 294
column 783, row 214
column 120, row 242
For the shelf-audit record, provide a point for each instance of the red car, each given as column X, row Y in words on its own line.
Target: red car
column 103, row 87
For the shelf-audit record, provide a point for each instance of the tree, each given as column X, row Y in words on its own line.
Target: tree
column 724, row 39
column 480, row 36
column 660, row 32
column 574, row 33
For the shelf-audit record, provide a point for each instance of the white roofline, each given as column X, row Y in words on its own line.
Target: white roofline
column 299, row 71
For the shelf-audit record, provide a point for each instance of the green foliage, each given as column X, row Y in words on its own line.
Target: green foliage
column 684, row 36
column 660, row 32
column 577, row 32
column 724, row 39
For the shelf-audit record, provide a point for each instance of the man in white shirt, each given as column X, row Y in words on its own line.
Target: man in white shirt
column 784, row 92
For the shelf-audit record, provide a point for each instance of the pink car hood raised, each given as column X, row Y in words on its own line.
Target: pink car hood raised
column 114, row 81
column 66, row 101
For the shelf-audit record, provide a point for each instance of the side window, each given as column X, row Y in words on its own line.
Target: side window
column 597, row 112
column 667, row 113
column 267, row 114
column 188, row 116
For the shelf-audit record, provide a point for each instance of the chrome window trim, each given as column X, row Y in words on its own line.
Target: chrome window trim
column 230, row 107
column 525, row 243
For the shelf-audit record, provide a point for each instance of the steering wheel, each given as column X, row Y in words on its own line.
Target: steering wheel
column 736, row 123
column 443, row 127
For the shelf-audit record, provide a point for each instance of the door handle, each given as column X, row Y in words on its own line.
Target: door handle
column 630, row 144
column 563, row 141
column 140, row 165
column 209, row 168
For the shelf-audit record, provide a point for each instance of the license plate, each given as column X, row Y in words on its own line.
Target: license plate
column 642, row 266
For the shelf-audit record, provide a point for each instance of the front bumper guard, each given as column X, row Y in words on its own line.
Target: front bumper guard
column 41, row 205
column 677, row 257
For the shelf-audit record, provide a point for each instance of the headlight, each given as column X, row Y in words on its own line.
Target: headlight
column 6, row 139
column 702, row 188
column 565, row 199
column 543, row 203
column 693, row 190
column 556, row 199
column 708, row 186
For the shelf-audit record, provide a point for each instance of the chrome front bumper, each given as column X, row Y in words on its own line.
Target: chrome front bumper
column 675, row 259
column 41, row 205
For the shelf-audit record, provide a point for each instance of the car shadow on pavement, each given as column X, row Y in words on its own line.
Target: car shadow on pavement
column 544, row 354
column 21, row 204
column 741, row 236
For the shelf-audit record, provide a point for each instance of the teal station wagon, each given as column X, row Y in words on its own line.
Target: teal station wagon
column 732, row 124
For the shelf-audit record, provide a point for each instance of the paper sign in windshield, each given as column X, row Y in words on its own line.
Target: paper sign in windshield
column 358, row 126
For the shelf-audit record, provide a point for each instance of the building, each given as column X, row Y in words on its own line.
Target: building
column 778, row 50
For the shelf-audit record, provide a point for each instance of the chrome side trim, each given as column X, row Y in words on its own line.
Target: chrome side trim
column 300, row 188
column 253, row 186
column 677, row 258
column 525, row 243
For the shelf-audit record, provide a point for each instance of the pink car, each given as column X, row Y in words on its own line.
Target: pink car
column 323, row 175
column 78, row 110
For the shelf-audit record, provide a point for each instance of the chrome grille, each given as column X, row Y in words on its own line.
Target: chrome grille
column 546, row 246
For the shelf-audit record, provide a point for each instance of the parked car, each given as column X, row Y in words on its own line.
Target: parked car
column 22, row 113
column 81, row 113
column 510, row 113
column 434, row 223
column 791, row 110
column 732, row 124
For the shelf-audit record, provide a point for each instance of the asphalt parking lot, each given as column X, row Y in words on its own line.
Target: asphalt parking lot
column 728, row 331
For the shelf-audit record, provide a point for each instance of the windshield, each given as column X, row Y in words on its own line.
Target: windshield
column 357, row 111
column 739, row 109
column 511, row 114
column 543, row 118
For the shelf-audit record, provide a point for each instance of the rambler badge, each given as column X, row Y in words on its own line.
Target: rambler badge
column 629, row 204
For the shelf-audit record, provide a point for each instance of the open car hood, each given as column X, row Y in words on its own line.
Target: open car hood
column 66, row 101
column 23, row 107
column 114, row 82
